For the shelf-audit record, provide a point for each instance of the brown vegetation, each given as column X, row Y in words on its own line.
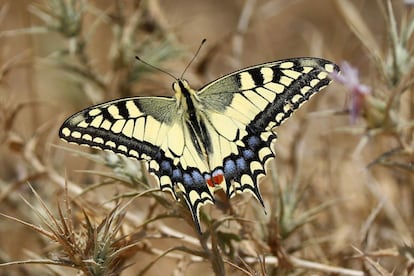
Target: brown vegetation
column 339, row 195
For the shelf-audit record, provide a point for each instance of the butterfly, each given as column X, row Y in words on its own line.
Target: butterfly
column 198, row 141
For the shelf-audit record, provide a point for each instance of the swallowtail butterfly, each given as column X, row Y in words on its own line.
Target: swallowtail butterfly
column 199, row 140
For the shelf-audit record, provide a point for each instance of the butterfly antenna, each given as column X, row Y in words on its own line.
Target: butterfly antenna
column 156, row 68
column 195, row 55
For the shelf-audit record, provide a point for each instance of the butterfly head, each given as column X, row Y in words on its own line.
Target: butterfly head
column 180, row 85
column 182, row 88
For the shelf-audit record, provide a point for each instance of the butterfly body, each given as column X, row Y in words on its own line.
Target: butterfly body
column 197, row 141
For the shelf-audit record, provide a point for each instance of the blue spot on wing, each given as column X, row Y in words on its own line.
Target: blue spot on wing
column 230, row 170
column 177, row 175
column 198, row 178
column 165, row 168
column 241, row 165
column 253, row 142
column 187, row 179
column 248, row 154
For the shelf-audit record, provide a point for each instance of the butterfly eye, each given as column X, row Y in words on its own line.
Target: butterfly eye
column 175, row 86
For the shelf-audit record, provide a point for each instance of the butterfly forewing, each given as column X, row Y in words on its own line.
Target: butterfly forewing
column 123, row 126
column 226, row 142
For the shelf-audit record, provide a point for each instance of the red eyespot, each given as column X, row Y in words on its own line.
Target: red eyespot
column 209, row 182
column 217, row 179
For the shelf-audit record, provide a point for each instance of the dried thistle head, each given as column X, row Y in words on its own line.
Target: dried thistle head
column 93, row 248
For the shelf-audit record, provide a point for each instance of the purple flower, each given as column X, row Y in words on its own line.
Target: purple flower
column 350, row 79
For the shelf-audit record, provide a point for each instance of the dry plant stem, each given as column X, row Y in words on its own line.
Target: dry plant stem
column 17, row 184
column 357, row 25
column 372, row 266
column 239, row 268
column 32, row 92
column 273, row 8
column 369, row 221
column 215, row 256
column 392, row 212
column 373, row 186
column 296, row 262
column 299, row 263
column 242, row 27
column 158, row 15
column 271, row 260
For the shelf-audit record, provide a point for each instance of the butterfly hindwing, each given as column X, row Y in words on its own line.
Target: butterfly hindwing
column 218, row 136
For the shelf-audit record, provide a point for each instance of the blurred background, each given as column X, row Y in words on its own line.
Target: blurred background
column 339, row 196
